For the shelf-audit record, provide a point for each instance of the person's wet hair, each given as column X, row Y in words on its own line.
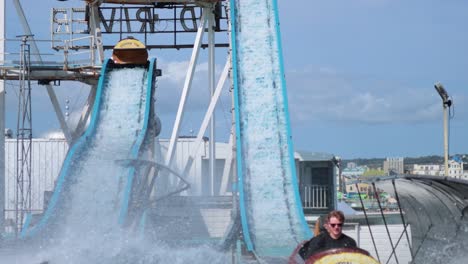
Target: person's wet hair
column 337, row 214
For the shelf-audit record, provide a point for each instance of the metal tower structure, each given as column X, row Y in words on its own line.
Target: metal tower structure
column 23, row 137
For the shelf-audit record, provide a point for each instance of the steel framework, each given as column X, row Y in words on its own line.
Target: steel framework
column 68, row 24
column 23, row 138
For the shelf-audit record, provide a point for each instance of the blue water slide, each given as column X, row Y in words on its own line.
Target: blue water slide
column 138, row 145
column 272, row 219
column 92, row 190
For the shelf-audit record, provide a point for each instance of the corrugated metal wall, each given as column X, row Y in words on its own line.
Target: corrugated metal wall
column 47, row 157
column 184, row 149
column 198, row 172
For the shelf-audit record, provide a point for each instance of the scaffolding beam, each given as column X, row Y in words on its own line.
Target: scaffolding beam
column 49, row 74
column 23, row 139
column 95, row 29
column 143, row 2
column 211, row 80
column 185, row 92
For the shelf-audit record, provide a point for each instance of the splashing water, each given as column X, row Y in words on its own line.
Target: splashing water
column 85, row 226
column 121, row 251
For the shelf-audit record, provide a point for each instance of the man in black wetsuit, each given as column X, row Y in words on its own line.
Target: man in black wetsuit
column 334, row 238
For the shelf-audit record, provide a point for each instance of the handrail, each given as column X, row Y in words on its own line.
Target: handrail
column 73, row 55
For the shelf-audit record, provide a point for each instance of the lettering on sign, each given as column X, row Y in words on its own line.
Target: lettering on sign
column 177, row 21
column 149, row 19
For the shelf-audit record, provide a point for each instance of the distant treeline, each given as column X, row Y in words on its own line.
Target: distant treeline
column 375, row 163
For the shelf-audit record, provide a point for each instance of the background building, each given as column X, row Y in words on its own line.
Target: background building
column 318, row 176
column 427, row 169
column 351, row 165
column 354, row 172
column 395, row 165
column 456, row 169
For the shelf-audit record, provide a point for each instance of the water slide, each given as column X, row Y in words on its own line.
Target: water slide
column 271, row 212
column 90, row 174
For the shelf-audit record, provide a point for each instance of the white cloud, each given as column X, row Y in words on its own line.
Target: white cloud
column 171, row 84
column 315, row 94
column 169, row 91
column 174, row 71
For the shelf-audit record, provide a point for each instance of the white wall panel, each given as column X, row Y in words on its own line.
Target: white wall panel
column 47, row 157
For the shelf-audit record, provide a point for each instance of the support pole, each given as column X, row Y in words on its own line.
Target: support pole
column 95, row 30
column 2, row 121
column 446, row 140
column 446, row 103
column 367, row 221
column 405, row 230
column 223, row 189
column 211, row 79
column 206, row 119
column 87, row 109
column 376, row 194
column 23, row 139
column 185, row 92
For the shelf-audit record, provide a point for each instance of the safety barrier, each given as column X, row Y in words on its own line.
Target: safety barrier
column 316, row 196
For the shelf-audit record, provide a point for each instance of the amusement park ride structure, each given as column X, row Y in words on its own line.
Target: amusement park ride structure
column 78, row 33
column 264, row 188
column 266, row 206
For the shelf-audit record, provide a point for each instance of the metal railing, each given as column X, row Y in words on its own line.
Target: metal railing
column 71, row 55
column 315, row 196
column 77, row 57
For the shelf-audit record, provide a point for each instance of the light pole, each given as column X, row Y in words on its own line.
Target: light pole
column 446, row 103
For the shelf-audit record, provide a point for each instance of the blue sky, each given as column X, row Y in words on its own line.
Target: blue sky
column 360, row 76
column 361, row 73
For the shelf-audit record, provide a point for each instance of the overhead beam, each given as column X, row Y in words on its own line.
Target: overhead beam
column 144, row 2
column 178, row 46
column 89, row 77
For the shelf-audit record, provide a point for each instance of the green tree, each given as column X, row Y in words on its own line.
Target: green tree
column 373, row 172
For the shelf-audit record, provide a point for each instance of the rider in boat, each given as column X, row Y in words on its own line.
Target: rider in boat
column 332, row 238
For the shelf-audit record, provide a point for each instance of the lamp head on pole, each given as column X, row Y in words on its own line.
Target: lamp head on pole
column 443, row 94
